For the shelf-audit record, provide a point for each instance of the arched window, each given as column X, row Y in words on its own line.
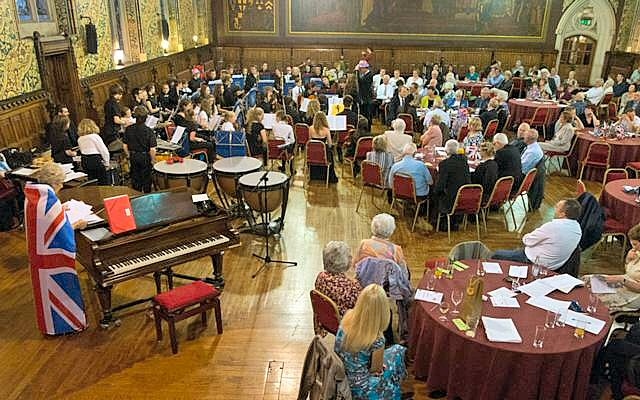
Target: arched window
column 577, row 50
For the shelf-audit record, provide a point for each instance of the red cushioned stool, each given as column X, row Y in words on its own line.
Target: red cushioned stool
column 184, row 302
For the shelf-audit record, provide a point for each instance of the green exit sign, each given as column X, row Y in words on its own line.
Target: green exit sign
column 586, row 21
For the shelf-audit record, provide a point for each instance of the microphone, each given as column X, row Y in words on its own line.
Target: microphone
column 263, row 178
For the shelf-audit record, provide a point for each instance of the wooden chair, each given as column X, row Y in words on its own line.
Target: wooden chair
column 603, row 106
column 598, row 156
column 491, row 129
column 316, row 155
column 539, row 119
column 326, row 315
column 404, row 189
column 562, row 157
column 184, row 302
column 499, row 196
column 468, row 201
column 408, row 120
column 363, row 146
column 301, row 132
column 524, row 188
column 371, row 178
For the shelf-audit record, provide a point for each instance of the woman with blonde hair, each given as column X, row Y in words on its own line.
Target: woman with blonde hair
column 475, row 136
column 486, row 173
column 94, row 153
column 312, row 109
column 256, row 133
column 372, row 371
column 319, row 130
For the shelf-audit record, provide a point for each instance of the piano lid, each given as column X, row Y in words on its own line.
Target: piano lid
column 163, row 208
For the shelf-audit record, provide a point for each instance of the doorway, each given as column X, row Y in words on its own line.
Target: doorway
column 577, row 55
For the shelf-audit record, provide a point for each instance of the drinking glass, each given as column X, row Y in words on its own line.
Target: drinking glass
column 515, row 284
column 544, row 271
column 480, row 271
column 593, row 303
column 559, row 321
column 578, row 332
column 472, row 323
column 439, row 268
column 456, row 298
column 451, row 269
column 444, row 309
column 535, row 271
column 538, row 339
column 431, row 280
column 550, row 320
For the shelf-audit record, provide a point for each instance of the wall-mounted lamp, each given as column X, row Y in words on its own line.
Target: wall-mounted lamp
column 118, row 57
column 164, row 44
column 195, row 39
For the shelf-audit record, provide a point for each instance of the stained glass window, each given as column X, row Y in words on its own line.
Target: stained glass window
column 34, row 11
column 24, row 10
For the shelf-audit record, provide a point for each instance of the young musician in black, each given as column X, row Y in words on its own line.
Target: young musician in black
column 140, row 144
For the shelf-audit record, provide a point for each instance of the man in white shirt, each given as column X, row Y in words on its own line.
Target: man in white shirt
column 385, row 90
column 377, row 78
column 552, row 243
column 438, row 109
column 596, row 93
column 395, row 78
column 415, row 78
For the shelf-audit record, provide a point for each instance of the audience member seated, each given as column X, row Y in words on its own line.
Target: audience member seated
column 379, row 245
column 453, row 172
column 596, row 93
column 415, row 93
column 518, row 141
column 533, row 152
column 475, row 135
column 486, row 173
column 507, row 83
column 373, row 372
column 571, row 79
column 95, row 155
column 460, row 101
column 429, row 98
column 518, row 69
column 397, row 139
column 621, row 86
column 333, row 282
column 383, row 158
column 72, row 132
column 433, row 135
column 438, row 109
column 319, row 130
column 627, row 97
column 508, row 158
column 415, row 168
column 482, row 102
column 629, row 120
column 551, row 86
column 589, row 119
column 61, row 147
column 495, row 77
column 491, row 112
column 561, row 141
column 472, row 75
column 385, row 90
column 415, row 78
column 552, row 243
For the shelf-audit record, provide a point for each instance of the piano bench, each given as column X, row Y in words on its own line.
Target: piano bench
column 184, row 302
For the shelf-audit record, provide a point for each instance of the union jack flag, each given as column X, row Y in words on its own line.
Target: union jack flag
column 52, row 252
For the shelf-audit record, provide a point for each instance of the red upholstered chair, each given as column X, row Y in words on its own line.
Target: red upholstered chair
column 316, row 154
column 468, row 201
column 518, row 85
column 371, row 178
column 464, row 132
column 275, row 152
column 301, row 131
column 562, row 157
column 404, row 189
column 326, row 315
column 491, row 129
column 539, row 119
column 363, row 146
column 524, row 188
column 634, row 166
column 476, row 90
column 598, row 156
column 612, row 229
column 499, row 195
column 408, row 120
column 614, row 174
column 580, row 188
column 612, row 112
column 184, row 302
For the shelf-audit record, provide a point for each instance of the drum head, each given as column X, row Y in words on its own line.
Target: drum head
column 237, row 165
column 188, row 166
column 274, row 178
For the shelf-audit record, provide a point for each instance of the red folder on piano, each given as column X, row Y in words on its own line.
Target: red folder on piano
column 120, row 214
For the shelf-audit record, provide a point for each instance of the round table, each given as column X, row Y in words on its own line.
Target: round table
column 622, row 206
column 471, row 85
column 474, row 368
column 521, row 109
column 622, row 152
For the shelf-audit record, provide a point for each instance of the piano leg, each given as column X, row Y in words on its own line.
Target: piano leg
column 104, row 296
column 218, row 278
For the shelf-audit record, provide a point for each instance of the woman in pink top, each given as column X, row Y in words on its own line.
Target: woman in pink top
column 433, row 135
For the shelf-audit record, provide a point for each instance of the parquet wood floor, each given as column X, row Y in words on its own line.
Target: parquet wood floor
column 267, row 320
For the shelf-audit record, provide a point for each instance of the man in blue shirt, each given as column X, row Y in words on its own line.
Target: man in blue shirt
column 532, row 153
column 415, row 168
column 495, row 78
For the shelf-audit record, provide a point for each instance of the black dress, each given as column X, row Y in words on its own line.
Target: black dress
column 111, row 130
column 254, row 140
column 139, row 138
column 192, row 126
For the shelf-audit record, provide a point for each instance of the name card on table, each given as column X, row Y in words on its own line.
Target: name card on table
column 505, row 302
column 518, row 271
column 492, row 268
column 429, row 296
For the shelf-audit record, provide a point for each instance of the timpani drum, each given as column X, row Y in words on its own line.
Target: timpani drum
column 227, row 171
column 265, row 198
column 190, row 173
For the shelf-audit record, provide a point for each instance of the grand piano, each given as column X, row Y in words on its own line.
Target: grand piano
column 171, row 230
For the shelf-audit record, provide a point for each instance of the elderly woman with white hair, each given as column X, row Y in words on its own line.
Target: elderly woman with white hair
column 333, row 282
column 397, row 139
column 453, row 172
column 379, row 246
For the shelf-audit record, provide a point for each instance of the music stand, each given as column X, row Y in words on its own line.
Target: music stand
column 265, row 216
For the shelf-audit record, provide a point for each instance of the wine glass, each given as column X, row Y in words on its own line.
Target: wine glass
column 444, row 309
column 535, row 271
column 456, row 299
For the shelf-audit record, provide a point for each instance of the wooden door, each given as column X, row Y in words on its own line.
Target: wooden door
column 577, row 55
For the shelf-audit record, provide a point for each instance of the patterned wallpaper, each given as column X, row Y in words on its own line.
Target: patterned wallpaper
column 187, row 23
column 627, row 36
column 18, row 66
column 92, row 64
column 151, row 30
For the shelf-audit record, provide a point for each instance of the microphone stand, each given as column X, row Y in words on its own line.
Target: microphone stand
column 265, row 216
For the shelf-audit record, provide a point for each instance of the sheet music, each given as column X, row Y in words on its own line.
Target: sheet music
column 599, row 286
column 337, row 122
column 492, row 268
column 177, row 134
column 214, row 121
column 74, row 175
column 151, row 121
column 304, row 104
column 334, row 103
column 268, row 120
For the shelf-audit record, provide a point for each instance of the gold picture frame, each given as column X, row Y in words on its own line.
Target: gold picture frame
column 227, row 14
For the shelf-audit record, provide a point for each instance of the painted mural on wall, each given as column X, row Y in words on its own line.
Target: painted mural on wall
column 256, row 16
column 18, row 65
column 487, row 18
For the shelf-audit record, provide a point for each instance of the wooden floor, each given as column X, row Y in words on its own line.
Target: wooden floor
column 267, row 320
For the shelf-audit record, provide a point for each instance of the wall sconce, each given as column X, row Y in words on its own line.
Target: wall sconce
column 164, row 44
column 195, row 39
column 118, row 57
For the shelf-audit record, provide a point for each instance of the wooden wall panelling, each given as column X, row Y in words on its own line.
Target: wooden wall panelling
column 323, row 56
column 275, row 57
column 22, row 120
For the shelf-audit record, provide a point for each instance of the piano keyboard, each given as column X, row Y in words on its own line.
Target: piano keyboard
column 166, row 254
